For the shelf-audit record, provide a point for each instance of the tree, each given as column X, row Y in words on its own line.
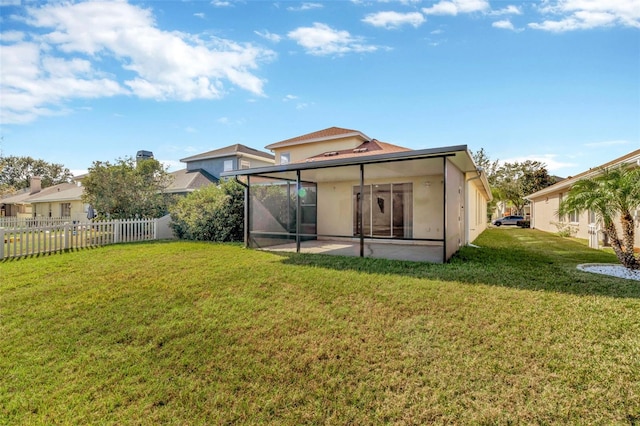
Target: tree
column 16, row 172
column 613, row 193
column 128, row 189
column 515, row 181
column 512, row 181
column 212, row 213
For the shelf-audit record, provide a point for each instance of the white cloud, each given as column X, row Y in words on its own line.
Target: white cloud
column 321, row 40
column 190, row 129
column 509, row 10
column 60, row 63
column 10, row 2
column 221, row 3
column 223, row 120
column 454, row 7
column 11, row 36
column 305, row 6
column 588, row 14
column 199, row 15
column 606, row 143
column 504, row 24
column 269, row 36
column 289, row 98
column 391, row 19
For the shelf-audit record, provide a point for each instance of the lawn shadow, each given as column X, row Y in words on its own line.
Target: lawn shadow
column 544, row 268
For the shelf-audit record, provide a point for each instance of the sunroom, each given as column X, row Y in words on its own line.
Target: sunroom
column 417, row 205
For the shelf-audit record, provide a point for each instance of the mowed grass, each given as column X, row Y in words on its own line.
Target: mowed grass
column 202, row 333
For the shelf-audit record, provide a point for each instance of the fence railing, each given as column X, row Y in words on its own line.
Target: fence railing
column 26, row 241
column 30, row 222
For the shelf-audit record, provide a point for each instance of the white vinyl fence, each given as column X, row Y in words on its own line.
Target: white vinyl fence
column 29, row 222
column 27, row 241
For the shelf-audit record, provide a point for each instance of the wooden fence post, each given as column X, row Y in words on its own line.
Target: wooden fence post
column 1, row 243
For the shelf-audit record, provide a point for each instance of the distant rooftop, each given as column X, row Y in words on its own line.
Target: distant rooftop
column 325, row 134
column 229, row 151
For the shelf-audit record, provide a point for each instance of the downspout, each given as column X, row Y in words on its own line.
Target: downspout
column 298, row 207
column 466, row 204
column 444, row 210
column 246, row 209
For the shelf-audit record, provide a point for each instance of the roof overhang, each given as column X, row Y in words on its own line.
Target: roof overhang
column 285, row 144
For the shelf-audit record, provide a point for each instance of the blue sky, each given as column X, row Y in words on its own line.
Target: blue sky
column 555, row 80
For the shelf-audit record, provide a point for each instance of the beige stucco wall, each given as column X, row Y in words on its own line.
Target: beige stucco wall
column 476, row 211
column 78, row 211
column 301, row 152
column 335, row 206
column 544, row 217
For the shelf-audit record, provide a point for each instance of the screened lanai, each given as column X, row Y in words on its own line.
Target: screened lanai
column 405, row 205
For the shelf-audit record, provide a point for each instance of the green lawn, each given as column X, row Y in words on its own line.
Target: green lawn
column 201, row 333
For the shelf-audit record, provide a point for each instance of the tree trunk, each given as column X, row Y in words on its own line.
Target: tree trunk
column 627, row 259
column 628, row 238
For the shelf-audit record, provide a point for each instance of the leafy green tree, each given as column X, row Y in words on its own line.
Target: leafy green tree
column 516, row 180
column 127, row 189
column 16, row 172
column 512, row 182
column 212, row 213
column 613, row 193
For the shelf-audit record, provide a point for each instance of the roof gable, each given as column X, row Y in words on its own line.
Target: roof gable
column 189, row 180
column 228, row 151
column 319, row 136
column 367, row 148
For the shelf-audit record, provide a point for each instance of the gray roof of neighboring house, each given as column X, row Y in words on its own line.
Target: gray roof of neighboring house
column 60, row 192
column 187, row 181
column 227, row 151
column 16, row 198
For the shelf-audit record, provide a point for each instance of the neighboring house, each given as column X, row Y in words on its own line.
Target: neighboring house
column 545, row 203
column 185, row 181
column 233, row 157
column 340, row 185
column 59, row 201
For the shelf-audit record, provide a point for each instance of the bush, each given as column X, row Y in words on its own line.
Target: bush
column 212, row 213
column 524, row 223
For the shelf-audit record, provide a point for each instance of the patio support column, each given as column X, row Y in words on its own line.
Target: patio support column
column 298, row 188
column 444, row 210
column 247, row 212
column 360, row 208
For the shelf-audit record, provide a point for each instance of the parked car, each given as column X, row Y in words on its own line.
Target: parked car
column 508, row 220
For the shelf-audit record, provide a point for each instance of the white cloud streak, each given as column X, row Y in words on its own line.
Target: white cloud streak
column 588, row 14
column 322, row 40
column 504, row 24
column 393, row 20
column 275, row 38
column 455, row 7
column 43, row 70
column 305, row 6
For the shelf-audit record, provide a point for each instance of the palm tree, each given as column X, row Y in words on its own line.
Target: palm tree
column 613, row 193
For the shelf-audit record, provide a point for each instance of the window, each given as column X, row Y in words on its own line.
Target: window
column 228, row 165
column 592, row 216
column 573, row 216
column 245, row 164
column 65, row 209
column 285, row 158
column 387, row 210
